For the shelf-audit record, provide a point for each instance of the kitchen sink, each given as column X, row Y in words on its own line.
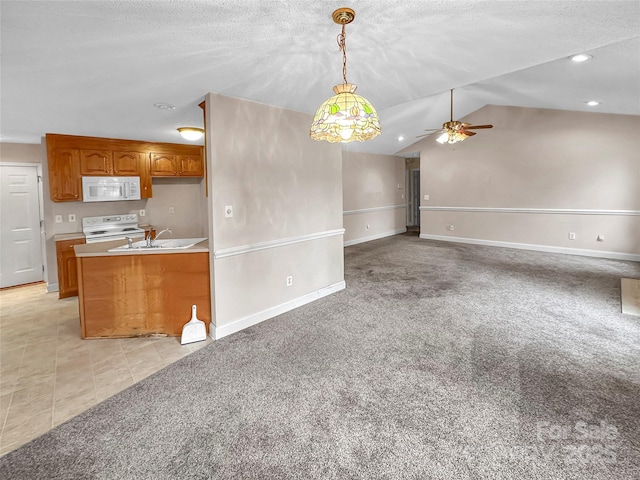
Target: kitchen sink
column 164, row 244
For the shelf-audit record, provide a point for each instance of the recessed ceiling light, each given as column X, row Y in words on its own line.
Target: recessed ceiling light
column 164, row 106
column 593, row 103
column 580, row 57
column 400, row 138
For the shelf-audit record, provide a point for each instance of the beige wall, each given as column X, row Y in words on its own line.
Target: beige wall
column 373, row 190
column 22, row 152
column 286, row 194
column 534, row 178
column 189, row 205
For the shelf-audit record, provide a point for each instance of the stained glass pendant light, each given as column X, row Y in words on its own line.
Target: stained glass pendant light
column 345, row 117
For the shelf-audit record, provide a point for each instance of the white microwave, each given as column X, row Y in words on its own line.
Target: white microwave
column 110, row 189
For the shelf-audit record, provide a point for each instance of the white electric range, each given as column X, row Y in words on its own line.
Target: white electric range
column 112, row 227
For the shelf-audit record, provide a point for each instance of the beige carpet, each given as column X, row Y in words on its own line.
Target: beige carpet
column 439, row 361
column 630, row 294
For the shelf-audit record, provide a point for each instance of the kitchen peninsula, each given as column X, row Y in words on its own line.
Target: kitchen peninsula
column 131, row 292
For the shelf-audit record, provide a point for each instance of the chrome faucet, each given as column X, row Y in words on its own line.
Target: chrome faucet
column 151, row 240
column 129, row 241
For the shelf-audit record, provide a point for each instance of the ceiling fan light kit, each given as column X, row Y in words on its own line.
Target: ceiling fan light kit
column 345, row 117
column 455, row 131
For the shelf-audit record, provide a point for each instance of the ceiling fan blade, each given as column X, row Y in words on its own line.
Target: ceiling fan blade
column 430, row 132
column 432, row 129
column 467, row 127
column 468, row 133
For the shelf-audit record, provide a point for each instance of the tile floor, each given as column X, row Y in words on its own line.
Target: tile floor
column 48, row 374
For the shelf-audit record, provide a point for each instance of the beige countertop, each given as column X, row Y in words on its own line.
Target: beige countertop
column 101, row 249
column 68, row 236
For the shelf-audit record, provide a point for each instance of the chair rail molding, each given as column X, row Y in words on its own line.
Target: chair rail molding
column 256, row 247
column 373, row 209
column 544, row 211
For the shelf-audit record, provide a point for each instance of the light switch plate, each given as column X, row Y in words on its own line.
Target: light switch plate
column 72, row 217
column 58, row 218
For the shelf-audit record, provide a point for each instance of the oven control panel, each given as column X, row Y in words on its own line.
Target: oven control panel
column 111, row 220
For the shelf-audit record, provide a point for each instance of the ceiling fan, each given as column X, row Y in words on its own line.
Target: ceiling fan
column 454, row 131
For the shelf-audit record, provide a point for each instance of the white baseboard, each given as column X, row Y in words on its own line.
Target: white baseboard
column 246, row 322
column 375, row 237
column 539, row 248
column 52, row 287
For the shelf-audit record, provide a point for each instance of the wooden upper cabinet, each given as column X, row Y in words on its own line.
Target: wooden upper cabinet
column 65, row 181
column 127, row 163
column 163, row 165
column 146, row 190
column 71, row 157
column 168, row 165
column 191, row 165
column 105, row 162
column 95, row 162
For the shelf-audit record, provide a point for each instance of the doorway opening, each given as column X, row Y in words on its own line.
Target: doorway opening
column 412, row 181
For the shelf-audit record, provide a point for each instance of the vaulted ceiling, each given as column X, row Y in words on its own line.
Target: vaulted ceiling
column 98, row 67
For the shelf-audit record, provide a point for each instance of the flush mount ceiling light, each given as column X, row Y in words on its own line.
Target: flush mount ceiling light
column 191, row 133
column 580, row 57
column 345, row 117
column 593, row 103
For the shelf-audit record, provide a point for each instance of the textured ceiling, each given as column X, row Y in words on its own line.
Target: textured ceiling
column 98, row 67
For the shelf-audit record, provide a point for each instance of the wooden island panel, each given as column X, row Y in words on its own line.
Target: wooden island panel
column 138, row 295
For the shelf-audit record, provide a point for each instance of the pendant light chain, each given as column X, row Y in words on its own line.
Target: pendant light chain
column 342, row 44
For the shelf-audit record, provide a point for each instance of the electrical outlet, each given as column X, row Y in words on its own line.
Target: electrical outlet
column 450, row 228
column 58, row 218
column 426, row 197
column 289, row 280
column 142, row 212
column 572, row 236
column 72, row 217
column 367, row 226
column 172, row 210
column 399, row 186
column 228, row 211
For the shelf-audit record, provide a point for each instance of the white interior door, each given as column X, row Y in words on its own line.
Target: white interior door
column 20, row 240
